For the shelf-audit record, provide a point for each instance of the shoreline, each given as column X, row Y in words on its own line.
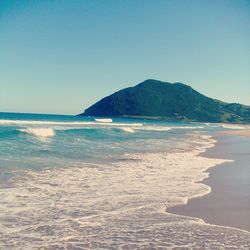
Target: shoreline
column 228, row 203
column 238, row 132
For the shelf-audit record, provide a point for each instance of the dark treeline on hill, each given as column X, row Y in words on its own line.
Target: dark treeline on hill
column 157, row 99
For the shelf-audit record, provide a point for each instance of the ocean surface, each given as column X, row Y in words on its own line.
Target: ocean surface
column 71, row 182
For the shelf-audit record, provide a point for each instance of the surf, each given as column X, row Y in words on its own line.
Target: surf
column 39, row 132
column 103, row 120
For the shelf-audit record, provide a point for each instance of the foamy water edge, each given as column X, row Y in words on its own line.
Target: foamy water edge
column 58, row 195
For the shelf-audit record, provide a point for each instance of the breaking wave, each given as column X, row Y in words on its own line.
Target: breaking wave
column 120, row 205
column 39, row 132
column 235, row 126
column 28, row 122
column 103, row 120
column 128, row 130
column 155, row 128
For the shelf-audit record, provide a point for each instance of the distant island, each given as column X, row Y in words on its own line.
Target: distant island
column 164, row 100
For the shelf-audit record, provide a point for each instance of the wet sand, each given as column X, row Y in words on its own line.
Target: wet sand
column 238, row 132
column 229, row 202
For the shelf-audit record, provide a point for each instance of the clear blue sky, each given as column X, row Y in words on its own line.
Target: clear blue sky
column 60, row 56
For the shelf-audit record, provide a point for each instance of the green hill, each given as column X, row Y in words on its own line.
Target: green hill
column 153, row 98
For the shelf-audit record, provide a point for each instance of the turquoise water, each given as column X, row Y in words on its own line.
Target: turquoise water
column 105, row 183
column 38, row 141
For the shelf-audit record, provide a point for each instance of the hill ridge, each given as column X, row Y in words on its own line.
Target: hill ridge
column 155, row 98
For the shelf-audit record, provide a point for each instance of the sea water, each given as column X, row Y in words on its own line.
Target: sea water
column 70, row 182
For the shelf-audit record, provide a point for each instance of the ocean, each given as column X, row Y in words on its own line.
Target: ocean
column 69, row 182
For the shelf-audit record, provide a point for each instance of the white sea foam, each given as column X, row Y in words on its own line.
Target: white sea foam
column 166, row 128
column 187, row 127
column 154, row 128
column 98, row 123
column 77, row 123
column 235, row 126
column 128, row 130
column 103, row 120
column 120, row 205
column 39, row 132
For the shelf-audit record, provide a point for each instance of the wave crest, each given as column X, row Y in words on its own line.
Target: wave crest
column 127, row 130
column 39, row 132
column 103, row 120
column 235, row 126
column 67, row 123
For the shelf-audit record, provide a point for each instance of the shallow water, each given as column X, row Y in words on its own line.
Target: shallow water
column 81, row 183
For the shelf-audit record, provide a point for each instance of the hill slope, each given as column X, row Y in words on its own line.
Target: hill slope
column 154, row 98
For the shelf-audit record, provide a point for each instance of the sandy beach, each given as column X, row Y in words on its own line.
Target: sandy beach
column 238, row 132
column 228, row 204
